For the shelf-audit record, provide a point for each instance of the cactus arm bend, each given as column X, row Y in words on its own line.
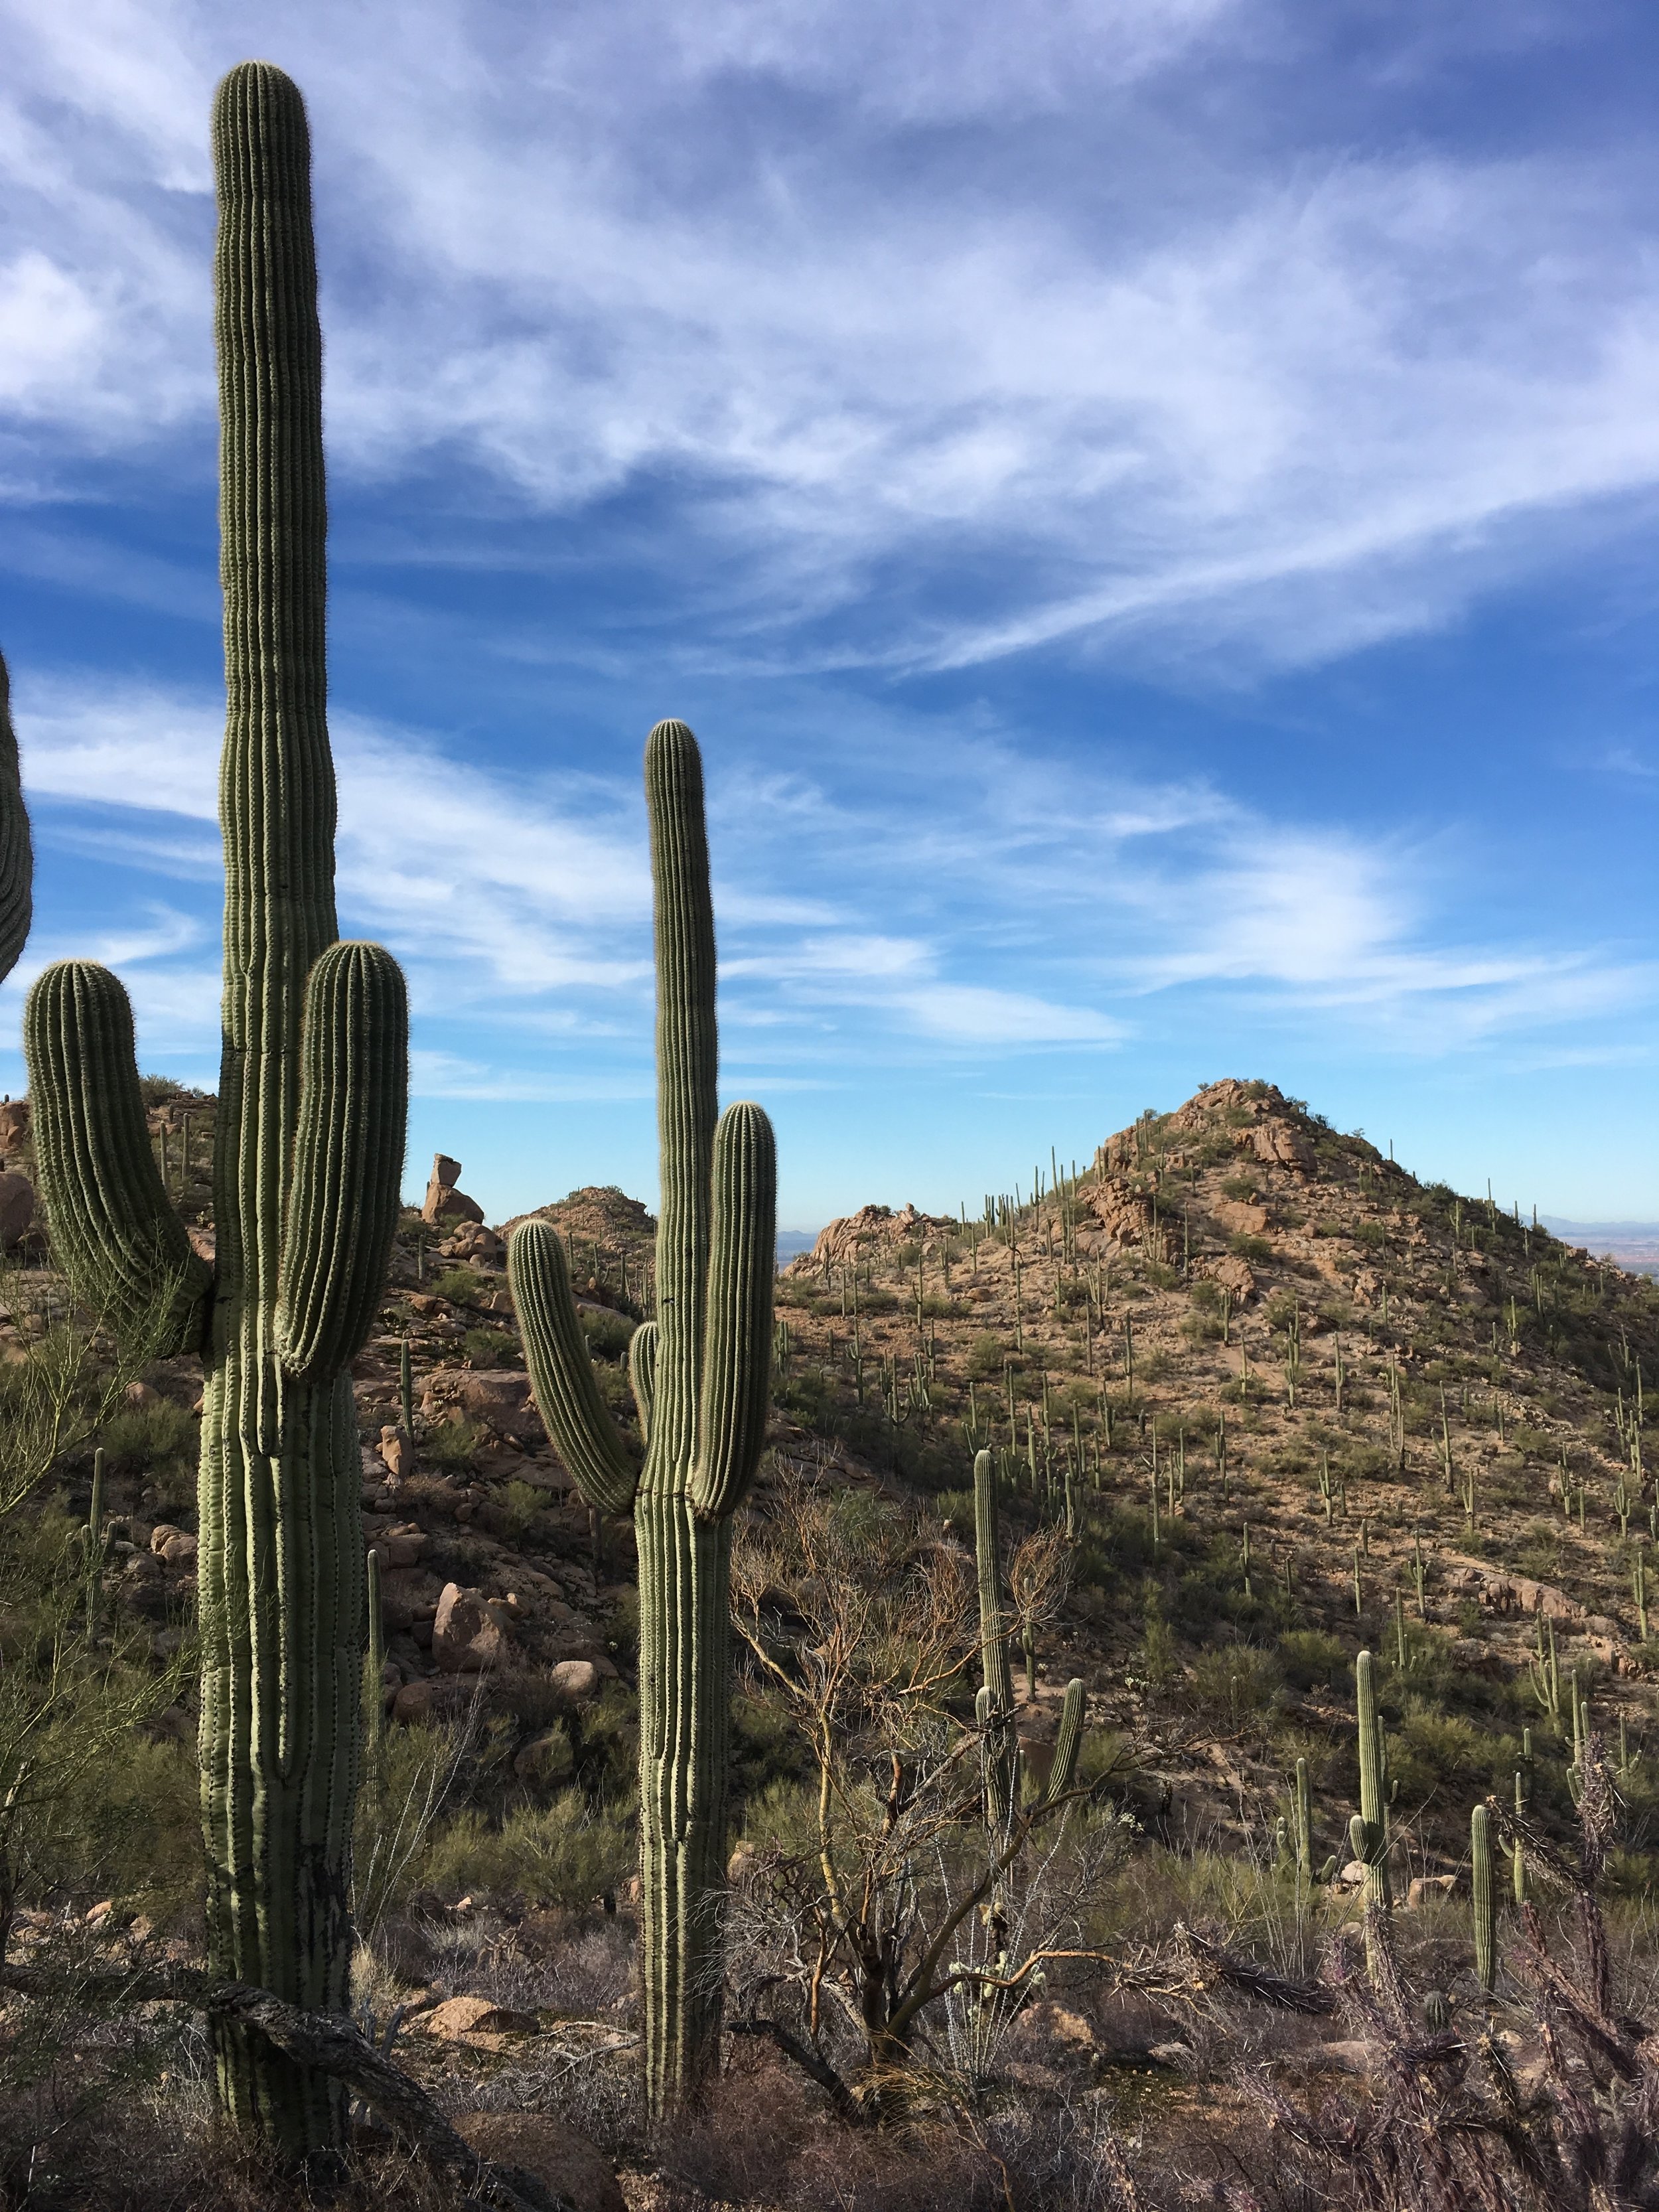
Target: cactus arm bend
column 736, row 1374
column 560, row 1372
column 348, row 1158
column 115, row 1230
column 16, row 852
column 642, row 1374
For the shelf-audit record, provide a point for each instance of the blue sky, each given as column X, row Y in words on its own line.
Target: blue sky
column 1152, row 509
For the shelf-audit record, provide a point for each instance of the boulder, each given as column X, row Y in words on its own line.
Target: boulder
column 497, row 1395
column 1122, row 1213
column 1281, row 1144
column 463, row 2016
column 17, row 1207
column 397, row 1454
column 180, row 1549
column 468, row 1634
column 1428, row 1889
column 1232, row 1274
column 567, row 2165
column 574, row 1682
column 444, row 1202
column 14, row 1127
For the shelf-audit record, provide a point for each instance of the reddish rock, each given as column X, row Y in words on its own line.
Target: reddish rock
column 443, row 1202
column 468, row 1633
column 458, row 2017
column 17, row 1207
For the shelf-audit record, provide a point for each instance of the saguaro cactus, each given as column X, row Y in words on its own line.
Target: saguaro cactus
column 702, row 1376
column 1482, row 1902
column 993, row 1705
column 17, row 852
column 308, row 1156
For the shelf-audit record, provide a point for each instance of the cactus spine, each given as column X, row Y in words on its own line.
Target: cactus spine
column 1481, row 1898
column 701, row 1379
column 308, row 1155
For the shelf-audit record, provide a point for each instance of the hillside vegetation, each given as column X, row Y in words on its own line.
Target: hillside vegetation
column 1256, row 1401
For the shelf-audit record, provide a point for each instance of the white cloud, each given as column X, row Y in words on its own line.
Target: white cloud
column 1131, row 375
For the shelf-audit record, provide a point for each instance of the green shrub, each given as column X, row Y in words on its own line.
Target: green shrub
column 1254, row 1248
column 1241, row 1188
column 561, row 1853
column 986, row 1357
column 460, row 1286
column 489, row 1347
column 608, row 1334
column 143, row 1436
column 1308, row 1656
column 453, row 1445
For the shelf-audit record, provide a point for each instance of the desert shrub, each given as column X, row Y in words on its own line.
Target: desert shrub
column 1241, row 1188
column 608, row 1334
column 1234, row 1682
column 561, row 1853
column 146, row 1437
column 453, row 1445
column 460, row 1286
column 1256, row 1249
column 489, row 1347
column 987, row 1356
column 519, row 1505
column 156, row 1090
column 1308, row 1656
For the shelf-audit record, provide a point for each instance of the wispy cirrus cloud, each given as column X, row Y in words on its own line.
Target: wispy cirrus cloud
column 943, row 337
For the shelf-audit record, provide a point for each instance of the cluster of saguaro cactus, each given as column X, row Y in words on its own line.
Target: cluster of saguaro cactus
column 307, row 1164
column 1005, row 1785
column 701, row 1378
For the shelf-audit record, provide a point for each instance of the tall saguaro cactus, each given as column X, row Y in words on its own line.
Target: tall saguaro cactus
column 993, row 1705
column 309, row 1157
column 16, row 852
column 701, row 1374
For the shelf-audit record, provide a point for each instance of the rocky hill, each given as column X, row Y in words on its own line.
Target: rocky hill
column 1284, row 1399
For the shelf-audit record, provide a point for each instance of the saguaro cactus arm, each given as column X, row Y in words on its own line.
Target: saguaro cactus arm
column 560, row 1372
column 1069, row 1743
column 348, row 1158
column 736, row 1373
column 642, row 1374
column 992, row 1614
column 16, row 851
column 115, row 1230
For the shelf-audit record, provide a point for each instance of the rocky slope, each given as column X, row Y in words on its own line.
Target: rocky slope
column 1284, row 1399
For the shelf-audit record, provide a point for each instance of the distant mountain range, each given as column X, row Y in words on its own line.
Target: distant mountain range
column 1633, row 1244
column 793, row 1241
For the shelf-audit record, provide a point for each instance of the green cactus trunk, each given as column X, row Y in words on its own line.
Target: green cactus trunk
column 309, row 1157
column 701, row 1374
column 1482, row 1899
